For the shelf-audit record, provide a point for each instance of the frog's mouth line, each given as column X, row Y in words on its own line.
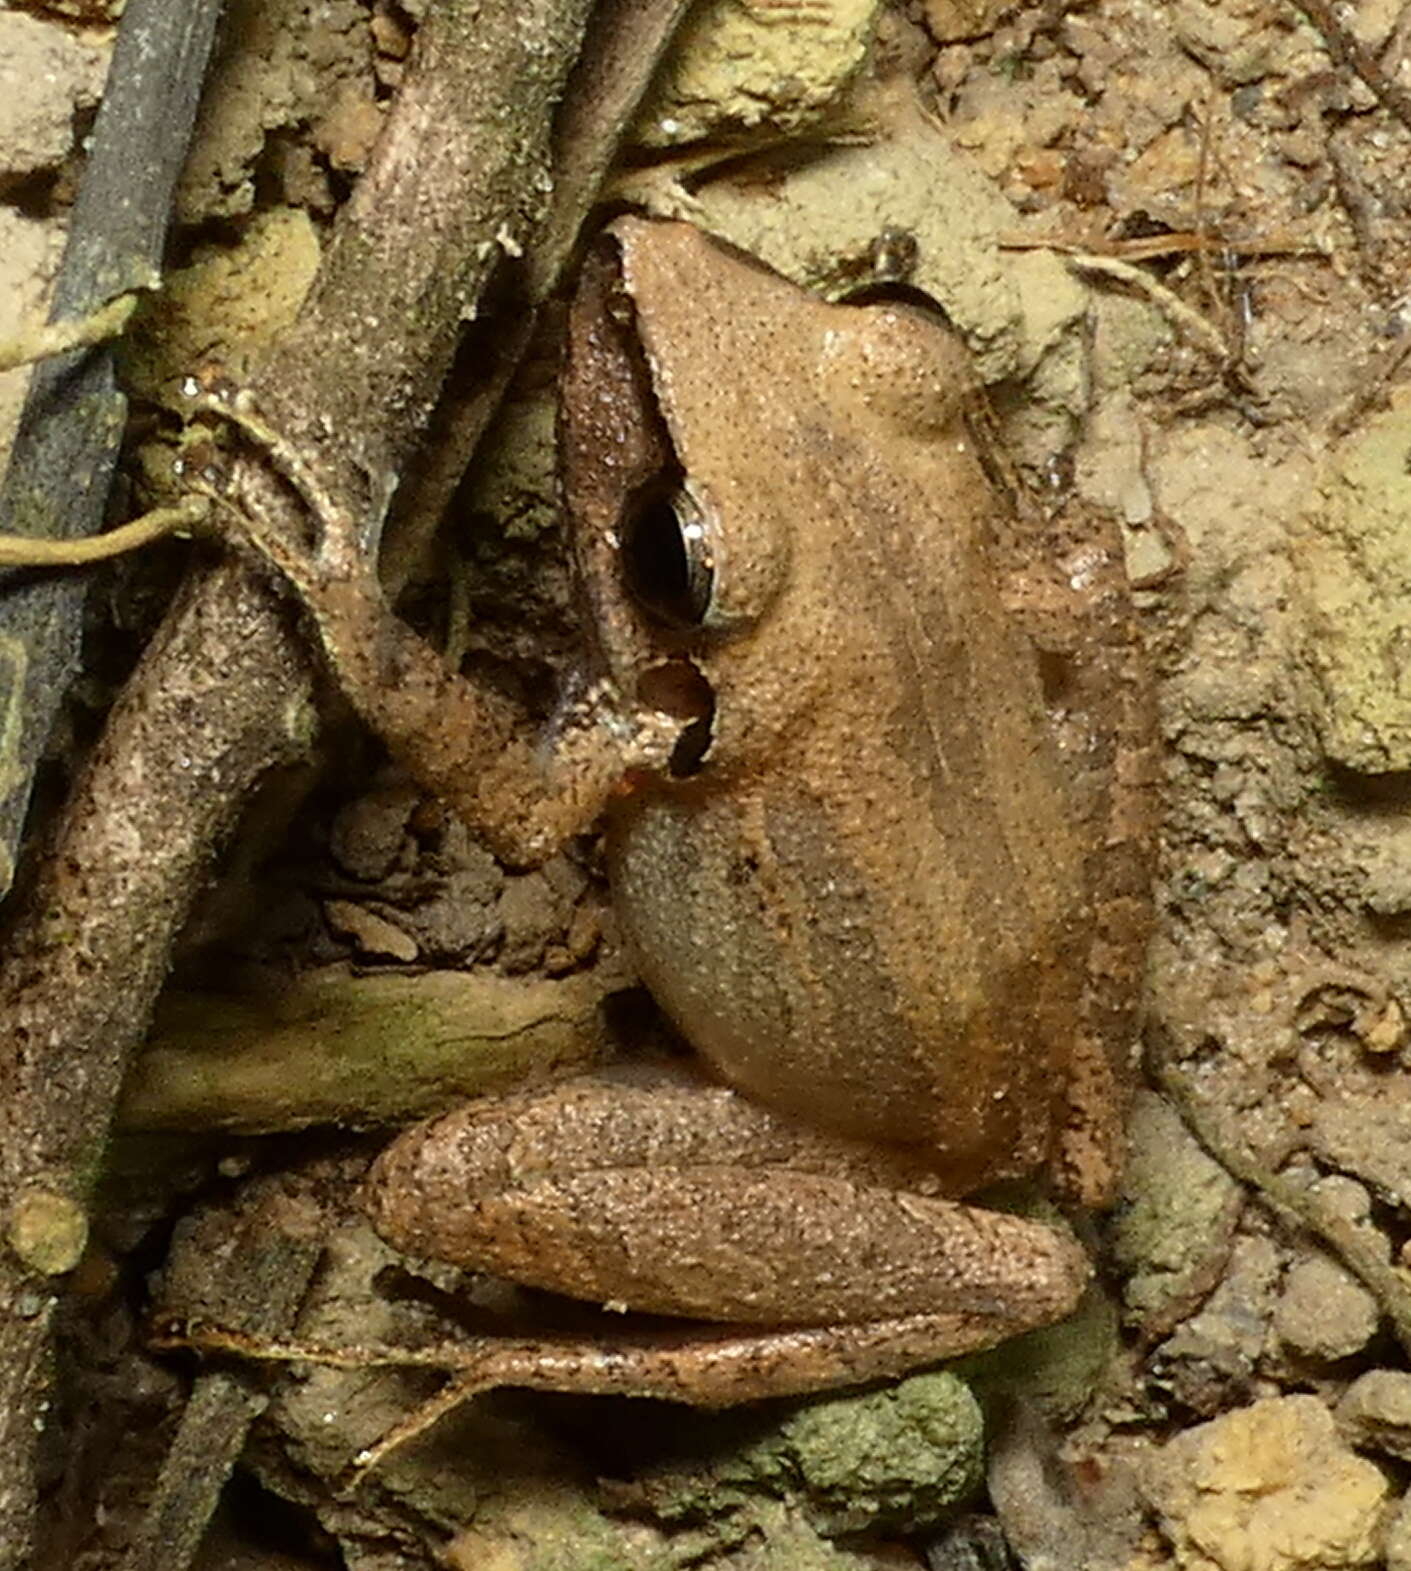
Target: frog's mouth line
column 678, row 687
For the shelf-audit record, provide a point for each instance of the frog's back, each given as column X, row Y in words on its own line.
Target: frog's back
column 876, row 922
column 862, row 897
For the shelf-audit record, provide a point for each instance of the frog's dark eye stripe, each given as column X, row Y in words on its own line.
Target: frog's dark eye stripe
column 667, row 561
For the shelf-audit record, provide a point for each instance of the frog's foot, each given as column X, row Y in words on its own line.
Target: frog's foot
column 705, row 1367
column 457, row 739
column 640, row 738
column 700, row 1366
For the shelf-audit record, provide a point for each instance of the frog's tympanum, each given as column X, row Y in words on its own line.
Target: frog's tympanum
column 869, row 752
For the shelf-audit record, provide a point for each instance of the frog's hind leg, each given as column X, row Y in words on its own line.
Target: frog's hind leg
column 705, row 1367
column 817, row 1263
column 674, row 1197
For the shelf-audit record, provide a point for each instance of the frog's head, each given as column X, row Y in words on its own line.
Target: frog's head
column 681, row 486
column 729, row 447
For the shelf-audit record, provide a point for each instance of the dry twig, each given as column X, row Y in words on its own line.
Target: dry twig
column 1353, row 55
column 1345, row 1241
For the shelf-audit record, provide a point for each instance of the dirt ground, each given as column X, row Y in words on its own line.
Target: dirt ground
column 1174, row 239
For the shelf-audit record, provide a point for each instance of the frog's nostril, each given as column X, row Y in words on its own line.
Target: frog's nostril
column 678, row 688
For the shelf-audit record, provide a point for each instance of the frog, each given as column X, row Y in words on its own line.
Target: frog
column 870, row 749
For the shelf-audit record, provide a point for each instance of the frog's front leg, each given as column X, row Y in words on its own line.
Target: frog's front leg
column 674, row 1197
column 459, row 740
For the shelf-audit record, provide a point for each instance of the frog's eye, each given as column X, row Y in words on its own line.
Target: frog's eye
column 667, row 561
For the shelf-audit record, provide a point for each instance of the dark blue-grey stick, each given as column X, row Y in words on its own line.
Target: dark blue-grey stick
column 62, row 461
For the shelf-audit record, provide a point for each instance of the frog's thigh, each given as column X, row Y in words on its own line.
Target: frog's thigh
column 696, row 1203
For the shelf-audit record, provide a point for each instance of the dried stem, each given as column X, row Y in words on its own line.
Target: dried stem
column 1353, row 55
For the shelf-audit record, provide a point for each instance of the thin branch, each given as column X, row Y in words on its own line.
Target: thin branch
column 267, row 1262
column 1177, row 312
column 1353, row 55
column 56, row 338
column 185, row 516
column 620, row 57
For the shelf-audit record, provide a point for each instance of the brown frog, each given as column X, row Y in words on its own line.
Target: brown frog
column 872, row 754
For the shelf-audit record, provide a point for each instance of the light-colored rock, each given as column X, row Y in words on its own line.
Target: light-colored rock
column 738, row 67
column 1353, row 564
column 1323, row 1312
column 281, row 64
column 46, row 74
column 1270, row 1487
column 1219, row 1349
column 948, row 21
column 370, row 934
column 1398, row 1541
column 1375, row 1412
column 29, row 257
column 1367, row 1134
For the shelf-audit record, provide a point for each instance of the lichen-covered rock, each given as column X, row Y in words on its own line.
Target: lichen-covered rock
column 1270, row 1487
column 230, row 304
column 899, row 1458
column 1176, row 1204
